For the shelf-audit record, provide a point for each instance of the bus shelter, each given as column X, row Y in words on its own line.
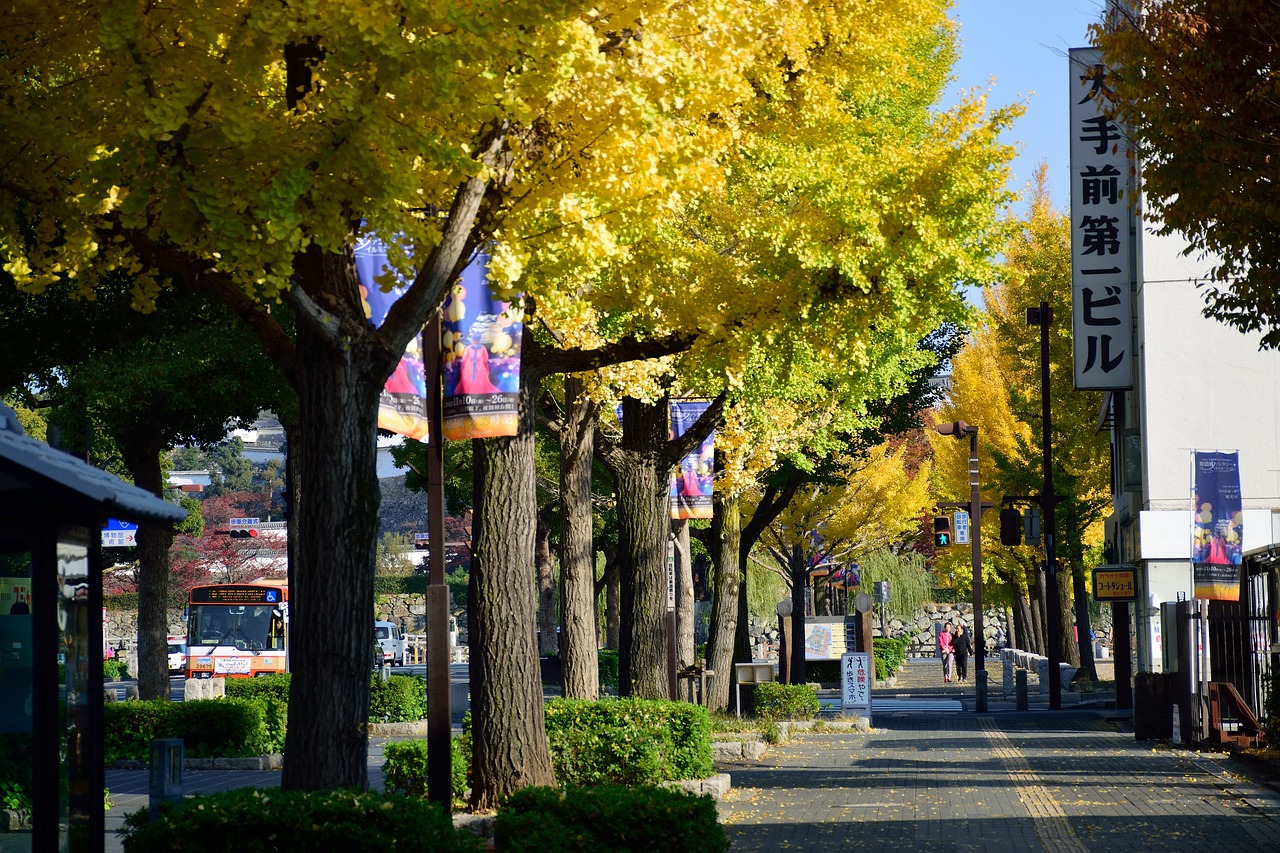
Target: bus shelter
column 52, row 510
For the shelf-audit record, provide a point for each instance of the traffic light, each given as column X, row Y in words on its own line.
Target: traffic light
column 942, row 531
column 244, row 532
column 1010, row 527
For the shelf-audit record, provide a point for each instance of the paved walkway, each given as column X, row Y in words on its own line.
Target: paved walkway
column 933, row 776
column 951, row 780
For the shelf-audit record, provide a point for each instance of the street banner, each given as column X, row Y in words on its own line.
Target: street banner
column 692, row 487
column 1101, row 230
column 402, row 406
column 1217, row 526
column 480, row 340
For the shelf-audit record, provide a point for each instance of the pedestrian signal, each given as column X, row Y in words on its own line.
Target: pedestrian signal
column 1010, row 527
column 244, row 532
column 942, row 531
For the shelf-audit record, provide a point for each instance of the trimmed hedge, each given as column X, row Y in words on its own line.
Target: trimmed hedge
column 253, row 820
column 274, row 686
column 628, row 741
column 777, row 701
column 399, row 699
column 405, row 768
column 608, row 818
column 209, row 728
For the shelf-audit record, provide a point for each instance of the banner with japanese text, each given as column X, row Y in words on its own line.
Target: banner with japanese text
column 1217, row 526
column 480, row 340
column 402, row 406
column 693, row 485
column 1101, row 230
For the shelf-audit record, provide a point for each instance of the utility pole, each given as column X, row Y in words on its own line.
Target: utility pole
column 1042, row 316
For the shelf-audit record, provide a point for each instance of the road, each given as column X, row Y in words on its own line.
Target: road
column 458, row 674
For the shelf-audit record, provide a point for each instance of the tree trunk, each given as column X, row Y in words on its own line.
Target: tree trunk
column 1041, row 609
column 141, row 453
column 799, row 572
column 612, row 605
column 545, row 565
column 1087, row 665
column 685, row 644
column 509, row 738
column 1069, row 652
column 726, row 580
column 643, row 487
column 1025, row 622
column 336, row 522
column 580, row 671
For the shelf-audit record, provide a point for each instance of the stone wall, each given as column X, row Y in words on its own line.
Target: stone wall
column 919, row 629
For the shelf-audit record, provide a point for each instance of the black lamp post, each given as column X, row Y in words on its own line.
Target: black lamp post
column 960, row 429
column 1042, row 317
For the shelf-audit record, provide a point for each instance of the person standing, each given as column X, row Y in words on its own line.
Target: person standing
column 946, row 651
column 963, row 647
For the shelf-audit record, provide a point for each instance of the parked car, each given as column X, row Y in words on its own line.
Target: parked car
column 392, row 642
column 177, row 655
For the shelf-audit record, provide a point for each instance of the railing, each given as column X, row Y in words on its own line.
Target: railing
column 1230, row 720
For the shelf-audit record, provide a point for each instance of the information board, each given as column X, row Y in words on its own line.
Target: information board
column 855, row 683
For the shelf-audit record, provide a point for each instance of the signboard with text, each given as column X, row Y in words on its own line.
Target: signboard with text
column 119, row 534
column 1115, row 583
column 960, row 528
column 1101, row 231
column 855, row 683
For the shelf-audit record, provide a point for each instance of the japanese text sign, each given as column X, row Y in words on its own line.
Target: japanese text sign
column 855, row 682
column 1101, row 231
column 1115, row 583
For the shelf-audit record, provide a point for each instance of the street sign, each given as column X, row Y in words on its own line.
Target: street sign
column 119, row 534
column 243, row 528
column 960, row 527
column 855, row 683
column 1115, row 583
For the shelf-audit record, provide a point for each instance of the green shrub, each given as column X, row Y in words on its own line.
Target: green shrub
column 889, row 655
column 608, row 666
column 776, row 701
column 399, row 699
column 608, row 818
column 1271, row 711
column 210, row 728
column 628, row 741
column 113, row 669
column 251, row 820
column 274, row 686
column 406, row 768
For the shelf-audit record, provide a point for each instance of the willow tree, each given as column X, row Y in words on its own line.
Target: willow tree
column 245, row 149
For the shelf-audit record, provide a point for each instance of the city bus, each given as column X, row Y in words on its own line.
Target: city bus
column 239, row 630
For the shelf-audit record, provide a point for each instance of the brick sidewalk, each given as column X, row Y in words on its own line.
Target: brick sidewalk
column 1069, row 780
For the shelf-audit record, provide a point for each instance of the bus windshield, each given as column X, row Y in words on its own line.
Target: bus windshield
column 252, row 627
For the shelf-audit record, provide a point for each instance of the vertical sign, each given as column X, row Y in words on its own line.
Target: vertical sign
column 402, row 405
column 1101, row 231
column 693, row 486
column 1217, row 527
column 855, row 683
column 960, row 528
column 480, row 342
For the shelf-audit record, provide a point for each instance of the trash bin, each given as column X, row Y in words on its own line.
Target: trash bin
column 1153, row 706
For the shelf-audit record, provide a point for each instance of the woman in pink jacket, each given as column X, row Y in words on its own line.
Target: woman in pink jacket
column 946, row 650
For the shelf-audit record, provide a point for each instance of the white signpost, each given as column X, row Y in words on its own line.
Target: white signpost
column 855, row 684
column 960, row 528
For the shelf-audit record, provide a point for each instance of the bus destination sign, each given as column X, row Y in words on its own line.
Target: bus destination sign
column 229, row 594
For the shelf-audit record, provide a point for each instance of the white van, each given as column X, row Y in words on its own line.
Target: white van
column 394, row 647
column 177, row 654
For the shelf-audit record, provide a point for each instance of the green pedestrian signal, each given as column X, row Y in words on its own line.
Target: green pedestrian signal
column 942, row 531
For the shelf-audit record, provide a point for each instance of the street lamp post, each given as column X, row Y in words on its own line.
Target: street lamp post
column 1042, row 317
column 959, row 429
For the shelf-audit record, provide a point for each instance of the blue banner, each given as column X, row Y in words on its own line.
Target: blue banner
column 693, row 485
column 480, row 342
column 1217, row 526
column 402, row 406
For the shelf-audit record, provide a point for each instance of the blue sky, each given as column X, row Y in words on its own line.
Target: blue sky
column 1022, row 44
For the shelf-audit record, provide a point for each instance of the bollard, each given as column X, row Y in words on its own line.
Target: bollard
column 1021, row 676
column 167, row 755
column 384, row 672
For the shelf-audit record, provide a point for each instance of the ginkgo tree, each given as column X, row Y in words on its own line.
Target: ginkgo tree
column 245, row 149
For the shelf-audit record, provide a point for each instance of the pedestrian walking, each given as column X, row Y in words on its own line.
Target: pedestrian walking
column 999, row 637
column 962, row 645
column 946, row 651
